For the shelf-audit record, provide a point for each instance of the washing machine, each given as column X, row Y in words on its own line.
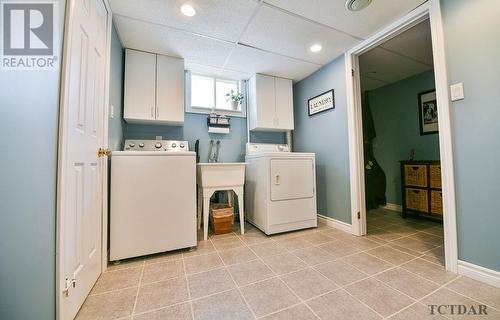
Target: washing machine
column 280, row 188
column 153, row 198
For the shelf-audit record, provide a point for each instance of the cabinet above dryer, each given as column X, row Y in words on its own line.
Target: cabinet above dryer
column 270, row 103
column 154, row 88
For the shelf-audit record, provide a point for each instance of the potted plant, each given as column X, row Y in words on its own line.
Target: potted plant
column 235, row 98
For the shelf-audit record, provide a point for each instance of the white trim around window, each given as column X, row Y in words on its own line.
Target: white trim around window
column 242, row 113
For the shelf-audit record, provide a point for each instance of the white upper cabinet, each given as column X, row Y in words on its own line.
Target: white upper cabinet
column 154, row 88
column 270, row 103
column 140, row 82
column 284, row 103
column 169, row 90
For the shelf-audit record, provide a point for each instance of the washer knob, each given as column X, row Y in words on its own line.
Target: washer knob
column 158, row 145
column 141, row 145
column 174, row 145
column 131, row 144
column 182, row 145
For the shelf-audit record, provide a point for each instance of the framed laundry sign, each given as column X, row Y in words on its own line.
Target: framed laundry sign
column 321, row 103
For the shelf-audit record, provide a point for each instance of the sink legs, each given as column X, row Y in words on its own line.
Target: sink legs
column 239, row 193
column 206, row 209
column 204, row 195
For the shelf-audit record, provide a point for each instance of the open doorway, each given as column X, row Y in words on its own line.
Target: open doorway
column 429, row 11
column 402, row 173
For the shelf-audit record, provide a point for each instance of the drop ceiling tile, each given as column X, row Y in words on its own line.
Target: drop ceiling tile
column 222, row 19
column 361, row 24
column 163, row 40
column 251, row 60
column 389, row 67
column 216, row 72
column 415, row 43
column 276, row 31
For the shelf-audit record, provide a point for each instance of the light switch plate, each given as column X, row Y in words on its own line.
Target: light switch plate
column 457, row 91
column 111, row 111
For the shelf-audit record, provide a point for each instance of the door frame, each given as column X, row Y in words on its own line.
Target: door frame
column 430, row 10
column 61, row 156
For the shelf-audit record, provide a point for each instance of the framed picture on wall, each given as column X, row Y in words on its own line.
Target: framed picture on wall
column 428, row 112
column 321, row 103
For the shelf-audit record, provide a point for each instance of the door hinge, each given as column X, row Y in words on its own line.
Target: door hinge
column 352, row 72
column 359, row 215
column 103, row 152
column 69, row 284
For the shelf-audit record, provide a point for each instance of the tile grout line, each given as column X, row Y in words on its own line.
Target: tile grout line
column 138, row 289
column 111, row 291
column 188, row 290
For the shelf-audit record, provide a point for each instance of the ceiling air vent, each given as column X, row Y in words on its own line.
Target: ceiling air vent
column 357, row 5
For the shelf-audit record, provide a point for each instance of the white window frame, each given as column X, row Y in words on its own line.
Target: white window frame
column 242, row 84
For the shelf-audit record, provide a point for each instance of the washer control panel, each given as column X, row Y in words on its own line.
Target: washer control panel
column 156, row 145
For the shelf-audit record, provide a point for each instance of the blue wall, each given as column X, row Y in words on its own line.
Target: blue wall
column 115, row 125
column 396, row 118
column 232, row 147
column 29, row 110
column 473, row 57
column 326, row 135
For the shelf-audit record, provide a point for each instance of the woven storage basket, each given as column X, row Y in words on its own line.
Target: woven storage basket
column 221, row 217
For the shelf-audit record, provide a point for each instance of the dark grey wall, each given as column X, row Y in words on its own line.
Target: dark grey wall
column 29, row 110
column 396, row 118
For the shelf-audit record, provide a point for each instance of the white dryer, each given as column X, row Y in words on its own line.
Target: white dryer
column 153, row 198
column 280, row 188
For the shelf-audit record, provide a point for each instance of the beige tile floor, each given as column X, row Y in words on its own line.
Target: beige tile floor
column 394, row 272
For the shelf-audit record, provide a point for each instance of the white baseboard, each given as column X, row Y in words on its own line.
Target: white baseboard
column 393, row 207
column 479, row 273
column 337, row 224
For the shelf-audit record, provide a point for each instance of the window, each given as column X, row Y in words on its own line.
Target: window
column 206, row 93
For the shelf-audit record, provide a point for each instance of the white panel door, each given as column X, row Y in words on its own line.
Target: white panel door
column 265, row 101
column 291, row 179
column 80, row 185
column 284, row 104
column 140, row 82
column 169, row 90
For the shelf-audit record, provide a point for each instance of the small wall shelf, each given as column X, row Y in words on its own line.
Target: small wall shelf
column 218, row 124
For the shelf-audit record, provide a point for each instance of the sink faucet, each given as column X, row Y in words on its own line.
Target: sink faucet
column 214, row 151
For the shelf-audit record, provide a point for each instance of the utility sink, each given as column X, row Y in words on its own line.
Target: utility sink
column 220, row 174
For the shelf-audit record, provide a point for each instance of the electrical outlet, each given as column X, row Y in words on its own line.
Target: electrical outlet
column 111, row 111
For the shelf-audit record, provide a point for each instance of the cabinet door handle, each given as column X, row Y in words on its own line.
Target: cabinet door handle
column 277, row 179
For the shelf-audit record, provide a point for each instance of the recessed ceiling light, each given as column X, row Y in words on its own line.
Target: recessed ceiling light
column 357, row 5
column 188, row 10
column 316, row 48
